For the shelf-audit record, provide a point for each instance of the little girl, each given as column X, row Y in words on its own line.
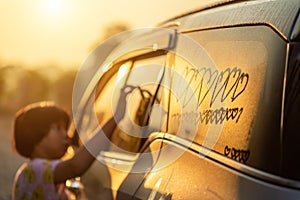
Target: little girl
column 40, row 134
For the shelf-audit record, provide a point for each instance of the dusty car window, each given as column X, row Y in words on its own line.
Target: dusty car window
column 239, row 95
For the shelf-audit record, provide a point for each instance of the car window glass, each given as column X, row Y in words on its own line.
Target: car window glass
column 143, row 76
column 240, row 97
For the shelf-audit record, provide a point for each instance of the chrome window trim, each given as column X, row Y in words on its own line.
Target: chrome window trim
column 153, row 136
column 287, row 59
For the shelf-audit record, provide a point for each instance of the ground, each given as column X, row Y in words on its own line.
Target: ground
column 10, row 160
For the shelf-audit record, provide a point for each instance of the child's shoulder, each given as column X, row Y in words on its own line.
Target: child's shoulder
column 42, row 163
column 35, row 177
column 38, row 165
column 37, row 168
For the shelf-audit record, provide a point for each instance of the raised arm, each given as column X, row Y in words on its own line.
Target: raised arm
column 85, row 155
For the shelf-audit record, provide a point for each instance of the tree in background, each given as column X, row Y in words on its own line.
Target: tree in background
column 20, row 86
column 2, row 82
column 62, row 88
column 110, row 30
column 33, row 87
column 114, row 28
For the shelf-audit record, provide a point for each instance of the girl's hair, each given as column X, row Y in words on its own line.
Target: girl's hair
column 33, row 122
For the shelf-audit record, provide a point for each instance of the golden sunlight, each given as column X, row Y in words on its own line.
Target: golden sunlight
column 53, row 8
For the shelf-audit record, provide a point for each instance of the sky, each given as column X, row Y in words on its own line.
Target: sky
column 38, row 33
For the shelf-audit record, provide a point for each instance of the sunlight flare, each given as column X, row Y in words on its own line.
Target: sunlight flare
column 53, row 8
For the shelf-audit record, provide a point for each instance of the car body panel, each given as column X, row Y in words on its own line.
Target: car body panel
column 193, row 176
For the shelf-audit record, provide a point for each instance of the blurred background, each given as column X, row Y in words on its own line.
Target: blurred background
column 44, row 42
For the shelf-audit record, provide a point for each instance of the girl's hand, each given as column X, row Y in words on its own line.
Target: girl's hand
column 122, row 102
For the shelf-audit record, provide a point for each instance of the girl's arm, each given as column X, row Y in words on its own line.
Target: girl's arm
column 86, row 154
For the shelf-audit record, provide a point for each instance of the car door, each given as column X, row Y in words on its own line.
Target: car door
column 129, row 137
column 143, row 70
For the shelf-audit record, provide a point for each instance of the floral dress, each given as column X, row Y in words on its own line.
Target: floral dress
column 34, row 180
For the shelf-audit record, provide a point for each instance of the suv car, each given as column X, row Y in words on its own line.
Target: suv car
column 215, row 111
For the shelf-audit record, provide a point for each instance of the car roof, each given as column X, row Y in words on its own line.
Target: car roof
column 281, row 15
